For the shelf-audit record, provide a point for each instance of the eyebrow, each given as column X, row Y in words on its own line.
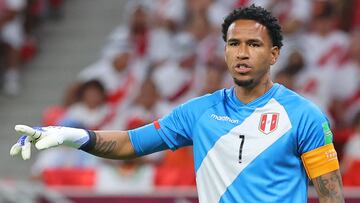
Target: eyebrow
column 248, row 40
column 232, row 40
column 256, row 40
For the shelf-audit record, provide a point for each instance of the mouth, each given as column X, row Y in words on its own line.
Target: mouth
column 242, row 68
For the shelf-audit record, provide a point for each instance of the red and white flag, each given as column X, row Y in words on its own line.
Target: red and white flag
column 268, row 122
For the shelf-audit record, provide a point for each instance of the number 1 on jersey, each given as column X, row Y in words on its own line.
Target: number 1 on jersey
column 242, row 138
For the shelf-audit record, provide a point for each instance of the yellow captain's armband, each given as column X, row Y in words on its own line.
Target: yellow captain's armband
column 320, row 161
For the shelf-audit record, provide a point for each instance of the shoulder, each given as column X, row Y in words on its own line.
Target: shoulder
column 193, row 109
column 206, row 101
column 310, row 125
column 296, row 105
column 183, row 119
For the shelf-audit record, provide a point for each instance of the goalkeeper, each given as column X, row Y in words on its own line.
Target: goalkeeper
column 255, row 142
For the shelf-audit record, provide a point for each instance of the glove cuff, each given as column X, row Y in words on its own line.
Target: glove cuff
column 90, row 144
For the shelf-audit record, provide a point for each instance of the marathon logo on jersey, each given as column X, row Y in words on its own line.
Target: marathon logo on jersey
column 224, row 118
column 268, row 122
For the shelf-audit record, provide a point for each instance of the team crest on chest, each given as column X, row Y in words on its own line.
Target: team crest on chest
column 268, row 122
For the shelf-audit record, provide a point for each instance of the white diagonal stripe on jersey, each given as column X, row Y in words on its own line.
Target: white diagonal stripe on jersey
column 221, row 165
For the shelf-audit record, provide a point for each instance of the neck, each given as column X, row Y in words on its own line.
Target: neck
column 249, row 94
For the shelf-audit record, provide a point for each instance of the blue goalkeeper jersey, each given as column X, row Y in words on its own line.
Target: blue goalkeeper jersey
column 242, row 152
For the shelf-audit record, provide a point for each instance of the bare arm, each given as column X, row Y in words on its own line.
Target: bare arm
column 329, row 187
column 113, row 144
column 107, row 144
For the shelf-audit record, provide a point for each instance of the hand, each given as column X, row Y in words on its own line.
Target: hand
column 46, row 137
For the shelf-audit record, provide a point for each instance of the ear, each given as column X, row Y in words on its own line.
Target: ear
column 275, row 52
column 225, row 52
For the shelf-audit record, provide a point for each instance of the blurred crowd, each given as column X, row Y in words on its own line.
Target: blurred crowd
column 19, row 20
column 169, row 51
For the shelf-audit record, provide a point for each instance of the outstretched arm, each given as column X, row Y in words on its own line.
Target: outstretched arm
column 329, row 187
column 112, row 144
column 107, row 144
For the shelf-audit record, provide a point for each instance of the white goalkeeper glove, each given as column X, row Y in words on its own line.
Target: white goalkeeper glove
column 46, row 137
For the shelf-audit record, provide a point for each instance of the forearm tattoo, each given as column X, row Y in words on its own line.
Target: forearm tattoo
column 330, row 187
column 113, row 145
column 104, row 147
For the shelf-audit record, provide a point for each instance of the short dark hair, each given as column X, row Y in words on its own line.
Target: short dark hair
column 259, row 15
column 93, row 83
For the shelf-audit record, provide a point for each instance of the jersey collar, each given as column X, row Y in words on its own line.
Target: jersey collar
column 259, row 102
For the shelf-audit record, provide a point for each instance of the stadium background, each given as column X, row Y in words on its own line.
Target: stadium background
column 69, row 36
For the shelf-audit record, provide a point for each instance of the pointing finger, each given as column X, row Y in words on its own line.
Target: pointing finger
column 28, row 131
column 15, row 149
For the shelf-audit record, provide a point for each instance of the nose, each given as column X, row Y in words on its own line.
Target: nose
column 242, row 52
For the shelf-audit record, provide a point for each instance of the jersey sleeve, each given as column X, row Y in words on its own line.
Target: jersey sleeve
column 146, row 140
column 170, row 132
column 314, row 131
column 315, row 144
column 174, row 130
column 177, row 128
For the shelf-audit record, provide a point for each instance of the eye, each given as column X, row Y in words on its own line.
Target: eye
column 254, row 44
column 233, row 43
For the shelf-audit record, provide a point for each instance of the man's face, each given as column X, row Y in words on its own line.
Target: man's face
column 249, row 52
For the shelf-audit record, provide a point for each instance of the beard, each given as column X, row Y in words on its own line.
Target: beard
column 244, row 83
